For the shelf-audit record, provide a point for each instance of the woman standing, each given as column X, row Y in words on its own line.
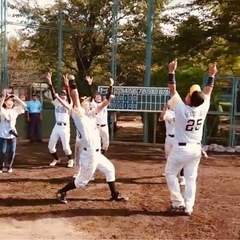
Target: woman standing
column 8, row 133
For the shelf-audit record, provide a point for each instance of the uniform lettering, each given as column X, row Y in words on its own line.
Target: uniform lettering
column 193, row 124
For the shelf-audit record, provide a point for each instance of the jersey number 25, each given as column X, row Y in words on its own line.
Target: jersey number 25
column 193, row 124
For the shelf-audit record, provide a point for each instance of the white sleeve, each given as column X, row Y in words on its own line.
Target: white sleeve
column 174, row 100
column 55, row 102
column 19, row 109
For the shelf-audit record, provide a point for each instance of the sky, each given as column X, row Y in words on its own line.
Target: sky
column 13, row 29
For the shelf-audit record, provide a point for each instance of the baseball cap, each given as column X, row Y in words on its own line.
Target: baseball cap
column 71, row 77
column 196, row 95
column 193, row 88
column 63, row 91
column 84, row 99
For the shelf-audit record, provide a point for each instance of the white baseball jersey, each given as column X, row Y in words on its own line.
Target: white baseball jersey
column 87, row 129
column 8, row 120
column 102, row 116
column 189, row 121
column 61, row 113
column 169, row 118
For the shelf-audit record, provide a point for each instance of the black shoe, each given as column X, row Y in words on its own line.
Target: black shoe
column 180, row 209
column 61, row 196
column 119, row 198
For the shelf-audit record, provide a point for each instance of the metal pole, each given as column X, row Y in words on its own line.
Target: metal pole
column 60, row 46
column 147, row 79
column 1, row 59
column 5, row 45
column 114, row 40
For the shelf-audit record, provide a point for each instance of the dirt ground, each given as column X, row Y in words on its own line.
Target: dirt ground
column 29, row 209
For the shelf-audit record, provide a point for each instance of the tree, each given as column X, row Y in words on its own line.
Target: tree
column 87, row 39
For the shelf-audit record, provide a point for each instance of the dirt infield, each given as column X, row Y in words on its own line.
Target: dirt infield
column 29, row 209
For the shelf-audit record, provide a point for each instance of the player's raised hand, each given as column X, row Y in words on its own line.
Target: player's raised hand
column 212, row 69
column 111, row 81
column 56, row 95
column 89, row 80
column 172, row 66
column 49, row 78
column 66, row 79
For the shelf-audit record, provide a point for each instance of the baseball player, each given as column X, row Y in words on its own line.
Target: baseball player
column 91, row 157
column 186, row 151
column 102, row 122
column 101, row 117
column 9, row 112
column 168, row 116
column 61, row 129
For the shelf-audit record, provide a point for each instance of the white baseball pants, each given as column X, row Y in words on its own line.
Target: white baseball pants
column 188, row 158
column 168, row 145
column 90, row 160
column 104, row 135
column 62, row 132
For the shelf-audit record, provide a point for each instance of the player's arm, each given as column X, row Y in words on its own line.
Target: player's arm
column 171, row 77
column 74, row 93
column 66, row 86
column 90, row 85
column 20, row 101
column 64, row 103
column 50, row 85
column 109, row 98
column 175, row 98
column 162, row 114
column 211, row 77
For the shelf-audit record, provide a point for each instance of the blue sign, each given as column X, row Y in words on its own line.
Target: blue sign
column 139, row 99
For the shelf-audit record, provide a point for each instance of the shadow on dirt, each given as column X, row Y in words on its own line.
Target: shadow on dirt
column 77, row 212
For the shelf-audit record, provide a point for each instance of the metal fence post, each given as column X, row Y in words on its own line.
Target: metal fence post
column 147, row 79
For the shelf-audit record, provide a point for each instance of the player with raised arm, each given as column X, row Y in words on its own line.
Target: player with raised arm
column 61, row 129
column 186, row 151
column 91, row 157
column 101, row 117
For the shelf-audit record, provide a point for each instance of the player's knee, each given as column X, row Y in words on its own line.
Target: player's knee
column 67, row 151
column 52, row 150
column 79, row 183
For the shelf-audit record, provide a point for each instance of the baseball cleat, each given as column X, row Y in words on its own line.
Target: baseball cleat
column 179, row 209
column 54, row 162
column 188, row 213
column 70, row 163
column 10, row 170
column 61, row 196
column 119, row 198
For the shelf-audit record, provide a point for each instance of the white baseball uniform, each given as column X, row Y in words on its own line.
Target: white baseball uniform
column 186, row 150
column 102, row 124
column 61, row 129
column 91, row 157
column 169, row 118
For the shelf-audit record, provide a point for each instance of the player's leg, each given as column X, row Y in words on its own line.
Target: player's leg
column 190, row 173
column 167, row 148
column 65, row 139
column 3, row 146
column 104, row 134
column 52, row 145
column 77, row 154
column 88, row 167
column 11, row 150
column 175, row 163
column 108, row 169
column 182, row 181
